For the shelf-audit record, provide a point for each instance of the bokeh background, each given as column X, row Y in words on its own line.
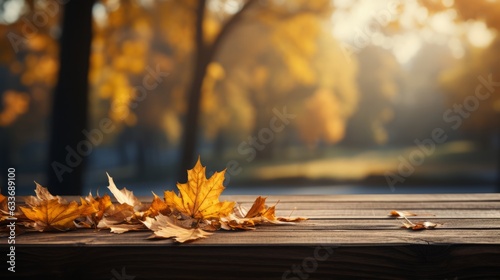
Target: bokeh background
column 295, row 96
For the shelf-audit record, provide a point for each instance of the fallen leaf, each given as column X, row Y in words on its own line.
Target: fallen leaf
column 395, row 213
column 258, row 207
column 419, row 225
column 99, row 205
column 401, row 214
column 52, row 214
column 165, row 227
column 4, row 211
column 199, row 197
column 118, row 226
column 7, row 216
column 158, row 206
column 42, row 194
column 259, row 213
column 232, row 222
column 291, row 219
column 119, row 218
column 124, row 196
column 268, row 214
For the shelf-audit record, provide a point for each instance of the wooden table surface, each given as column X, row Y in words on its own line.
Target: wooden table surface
column 346, row 237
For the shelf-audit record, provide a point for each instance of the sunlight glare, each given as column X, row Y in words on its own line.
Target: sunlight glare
column 444, row 22
column 100, row 14
column 12, row 11
column 479, row 35
column 406, row 46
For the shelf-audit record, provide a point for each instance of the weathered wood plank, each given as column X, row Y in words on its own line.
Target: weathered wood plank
column 390, row 234
column 368, row 197
column 351, row 198
column 380, row 213
column 355, row 235
column 420, row 206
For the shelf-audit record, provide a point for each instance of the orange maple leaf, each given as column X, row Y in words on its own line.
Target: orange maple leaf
column 98, row 205
column 48, row 212
column 52, row 214
column 259, row 213
column 4, row 211
column 158, row 206
column 199, row 197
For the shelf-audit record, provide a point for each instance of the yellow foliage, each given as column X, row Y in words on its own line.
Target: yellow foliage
column 15, row 104
column 324, row 120
column 295, row 38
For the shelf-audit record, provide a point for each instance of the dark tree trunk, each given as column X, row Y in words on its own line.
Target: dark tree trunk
column 204, row 55
column 190, row 136
column 5, row 159
column 70, row 103
column 498, row 152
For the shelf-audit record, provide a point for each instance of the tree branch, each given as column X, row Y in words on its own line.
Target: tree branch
column 226, row 28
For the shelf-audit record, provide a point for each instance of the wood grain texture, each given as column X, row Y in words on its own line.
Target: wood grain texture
column 346, row 237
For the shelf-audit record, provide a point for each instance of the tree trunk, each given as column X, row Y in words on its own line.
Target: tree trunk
column 191, row 124
column 204, row 55
column 5, row 159
column 498, row 152
column 70, row 101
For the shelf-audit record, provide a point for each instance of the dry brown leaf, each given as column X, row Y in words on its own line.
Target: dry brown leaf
column 158, row 206
column 42, row 194
column 268, row 214
column 165, row 227
column 199, row 197
column 3, row 202
column 52, row 214
column 232, row 222
column 259, row 213
column 401, row 214
column 99, row 205
column 7, row 216
column 119, row 218
column 4, row 211
column 419, row 225
column 118, row 226
column 258, row 207
column 124, row 196
column 395, row 213
column 291, row 219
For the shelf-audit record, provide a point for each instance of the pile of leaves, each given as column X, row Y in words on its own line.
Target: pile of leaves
column 193, row 213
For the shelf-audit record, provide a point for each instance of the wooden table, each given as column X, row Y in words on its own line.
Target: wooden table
column 346, row 237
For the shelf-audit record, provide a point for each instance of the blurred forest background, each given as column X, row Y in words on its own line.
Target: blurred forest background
column 284, row 94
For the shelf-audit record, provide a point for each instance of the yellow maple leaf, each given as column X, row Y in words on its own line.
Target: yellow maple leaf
column 52, row 214
column 199, row 197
